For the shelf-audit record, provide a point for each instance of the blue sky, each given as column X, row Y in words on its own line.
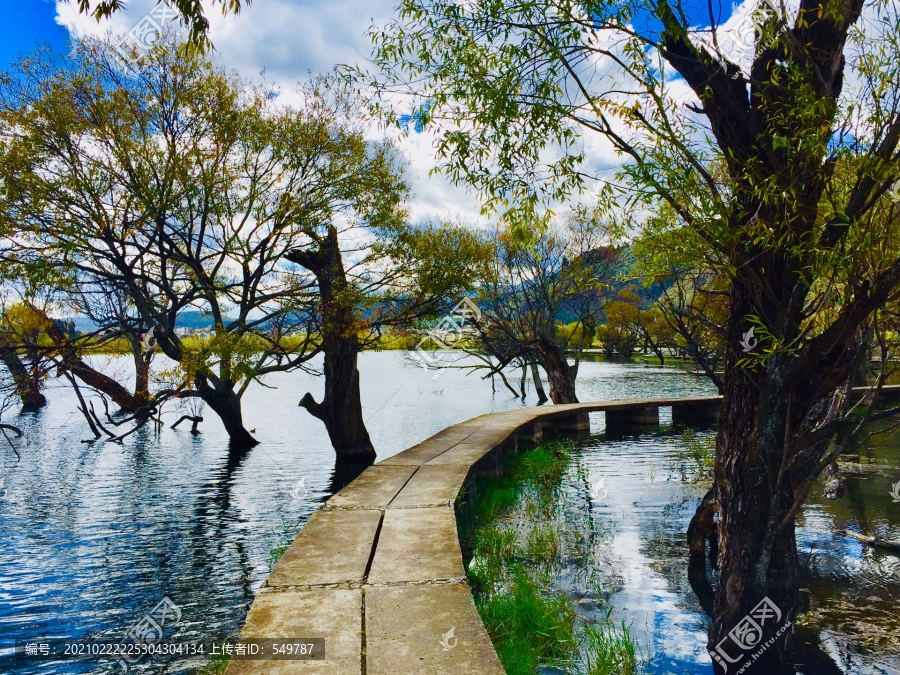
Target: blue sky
column 27, row 23
column 286, row 40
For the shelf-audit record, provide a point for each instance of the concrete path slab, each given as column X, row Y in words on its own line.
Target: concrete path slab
column 417, row 545
column 334, row 614
column 432, row 447
column 417, row 455
column 405, row 629
column 374, row 488
column 333, row 548
column 461, row 454
column 492, row 436
column 436, row 485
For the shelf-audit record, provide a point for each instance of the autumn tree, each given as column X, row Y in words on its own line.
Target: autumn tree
column 656, row 333
column 533, row 286
column 620, row 332
column 172, row 184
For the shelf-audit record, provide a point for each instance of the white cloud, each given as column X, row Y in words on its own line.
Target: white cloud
column 288, row 40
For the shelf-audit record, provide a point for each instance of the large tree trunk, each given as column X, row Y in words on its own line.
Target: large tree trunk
column 227, row 405
column 28, row 384
column 776, row 418
column 341, row 408
column 756, row 500
column 560, row 374
column 757, row 554
column 93, row 378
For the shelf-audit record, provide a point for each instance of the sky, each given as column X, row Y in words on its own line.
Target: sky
column 287, row 40
column 25, row 24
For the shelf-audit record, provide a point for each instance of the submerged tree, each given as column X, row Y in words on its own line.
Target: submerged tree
column 532, row 287
column 397, row 276
column 170, row 183
column 171, row 186
column 776, row 164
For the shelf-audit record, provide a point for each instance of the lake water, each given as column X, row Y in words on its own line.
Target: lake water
column 97, row 534
column 630, row 536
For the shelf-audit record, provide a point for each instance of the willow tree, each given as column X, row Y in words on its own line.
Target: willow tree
column 777, row 161
column 375, row 275
column 532, row 287
column 174, row 184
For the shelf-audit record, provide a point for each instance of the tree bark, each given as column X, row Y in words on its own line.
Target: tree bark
column 227, row 405
column 538, row 385
column 28, row 384
column 560, row 374
column 341, row 408
column 757, row 552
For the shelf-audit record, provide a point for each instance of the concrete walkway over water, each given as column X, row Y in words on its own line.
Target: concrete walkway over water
column 378, row 570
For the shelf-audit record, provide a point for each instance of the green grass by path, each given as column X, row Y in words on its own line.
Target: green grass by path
column 511, row 533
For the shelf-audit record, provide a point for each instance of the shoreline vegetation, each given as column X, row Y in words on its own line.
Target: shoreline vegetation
column 406, row 341
column 511, row 532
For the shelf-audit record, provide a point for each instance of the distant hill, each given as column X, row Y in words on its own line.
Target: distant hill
column 624, row 274
column 191, row 319
column 194, row 320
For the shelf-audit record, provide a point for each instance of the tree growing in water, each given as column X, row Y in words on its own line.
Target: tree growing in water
column 530, row 287
column 172, row 186
column 401, row 276
column 777, row 166
column 182, row 189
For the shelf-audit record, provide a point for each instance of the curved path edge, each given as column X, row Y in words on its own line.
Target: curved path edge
column 378, row 570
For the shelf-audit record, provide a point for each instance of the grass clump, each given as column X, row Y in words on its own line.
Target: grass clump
column 514, row 538
column 695, row 456
column 528, row 627
column 609, row 649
